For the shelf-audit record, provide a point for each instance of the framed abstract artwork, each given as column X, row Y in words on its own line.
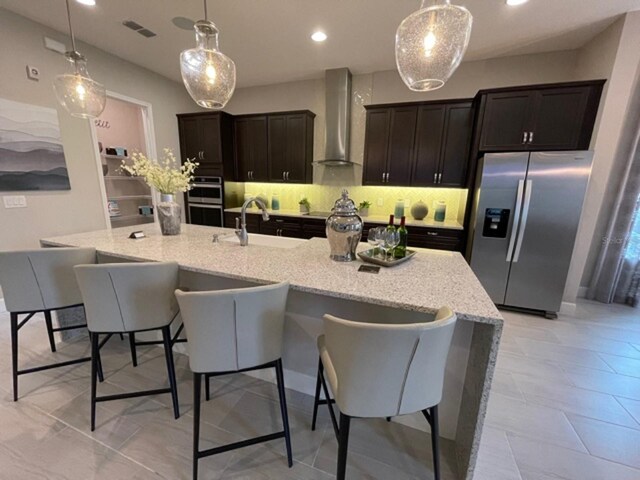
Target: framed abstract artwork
column 31, row 154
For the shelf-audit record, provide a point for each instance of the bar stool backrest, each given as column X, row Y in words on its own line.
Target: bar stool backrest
column 230, row 330
column 388, row 370
column 128, row 297
column 42, row 279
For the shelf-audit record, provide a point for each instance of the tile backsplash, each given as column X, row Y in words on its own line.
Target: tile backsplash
column 322, row 197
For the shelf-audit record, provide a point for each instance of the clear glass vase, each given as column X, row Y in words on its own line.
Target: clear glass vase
column 169, row 214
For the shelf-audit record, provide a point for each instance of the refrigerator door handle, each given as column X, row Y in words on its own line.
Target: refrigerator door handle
column 516, row 220
column 523, row 221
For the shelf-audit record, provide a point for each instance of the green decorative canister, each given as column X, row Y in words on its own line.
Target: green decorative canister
column 419, row 210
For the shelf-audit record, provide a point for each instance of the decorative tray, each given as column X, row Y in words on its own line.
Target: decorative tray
column 373, row 256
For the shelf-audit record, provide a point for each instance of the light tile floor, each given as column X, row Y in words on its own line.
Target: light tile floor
column 565, row 404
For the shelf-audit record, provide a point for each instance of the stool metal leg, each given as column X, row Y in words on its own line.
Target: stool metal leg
column 283, row 410
column 431, row 414
column 49, row 322
column 14, row 354
column 207, row 387
column 197, row 384
column 171, row 369
column 95, row 352
column 132, row 347
column 343, row 446
column 316, row 401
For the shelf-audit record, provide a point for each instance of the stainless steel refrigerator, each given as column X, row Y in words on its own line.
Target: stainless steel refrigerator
column 527, row 210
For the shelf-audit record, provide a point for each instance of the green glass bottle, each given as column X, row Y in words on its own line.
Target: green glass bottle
column 401, row 250
column 391, row 227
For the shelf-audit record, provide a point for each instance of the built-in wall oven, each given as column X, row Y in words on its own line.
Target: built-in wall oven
column 205, row 202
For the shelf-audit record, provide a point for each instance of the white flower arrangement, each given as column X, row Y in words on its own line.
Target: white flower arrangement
column 165, row 175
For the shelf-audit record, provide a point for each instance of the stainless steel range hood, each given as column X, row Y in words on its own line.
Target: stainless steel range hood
column 338, row 118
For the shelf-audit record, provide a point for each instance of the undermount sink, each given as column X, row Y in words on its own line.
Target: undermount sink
column 265, row 241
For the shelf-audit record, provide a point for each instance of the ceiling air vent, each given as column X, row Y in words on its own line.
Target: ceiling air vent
column 136, row 27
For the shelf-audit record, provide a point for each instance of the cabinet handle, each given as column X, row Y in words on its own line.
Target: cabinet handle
column 383, row 175
column 530, row 137
column 435, row 177
column 440, row 178
column 202, row 155
column 525, row 137
column 284, row 175
column 288, row 175
column 433, row 234
column 387, row 177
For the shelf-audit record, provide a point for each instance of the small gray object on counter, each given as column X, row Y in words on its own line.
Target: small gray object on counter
column 419, row 210
column 169, row 215
column 344, row 229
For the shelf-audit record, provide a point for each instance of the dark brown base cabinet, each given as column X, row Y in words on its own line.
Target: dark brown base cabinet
column 422, row 144
column 300, row 227
column 539, row 117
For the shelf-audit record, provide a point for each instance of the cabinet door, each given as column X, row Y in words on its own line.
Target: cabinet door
column 243, row 149
column 429, row 135
column 277, row 126
column 558, row 117
column 454, row 157
column 505, row 121
column 190, row 139
column 376, row 146
column 402, row 137
column 258, row 137
column 210, row 141
column 296, row 146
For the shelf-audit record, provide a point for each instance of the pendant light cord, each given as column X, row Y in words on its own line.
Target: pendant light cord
column 206, row 16
column 73, row 39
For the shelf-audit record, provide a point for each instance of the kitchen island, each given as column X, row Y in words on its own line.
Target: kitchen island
column 408, row 293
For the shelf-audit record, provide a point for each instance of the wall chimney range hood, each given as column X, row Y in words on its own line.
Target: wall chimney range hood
column 337, row 118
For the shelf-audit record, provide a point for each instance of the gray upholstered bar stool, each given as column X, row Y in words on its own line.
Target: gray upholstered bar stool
column 126, row 298
column 378, row 371
column 232, row 331
column 41, row 281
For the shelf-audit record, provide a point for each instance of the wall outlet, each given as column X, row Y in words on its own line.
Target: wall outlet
column 33, row 73
column 380, row 202
column 14, row 201
column 407, row 202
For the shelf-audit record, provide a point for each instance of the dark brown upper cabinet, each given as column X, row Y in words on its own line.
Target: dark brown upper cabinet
column 389, row 144
column 251, row 147
column 290, row 138
column 442, row 144
column 207, row 138
column 541, row 117
column 419, row 144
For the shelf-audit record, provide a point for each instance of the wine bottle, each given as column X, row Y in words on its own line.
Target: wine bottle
column 401, row 250
column 391, row 227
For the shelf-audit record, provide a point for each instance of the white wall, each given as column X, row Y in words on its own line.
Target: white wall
column 81, row 208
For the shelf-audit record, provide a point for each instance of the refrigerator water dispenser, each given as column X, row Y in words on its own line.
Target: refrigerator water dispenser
column 496, row 221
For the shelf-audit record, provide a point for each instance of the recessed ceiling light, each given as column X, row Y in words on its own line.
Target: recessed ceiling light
column 516, row 2
column 91, row 3
column 319, row 36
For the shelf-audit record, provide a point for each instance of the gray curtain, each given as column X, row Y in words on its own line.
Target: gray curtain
column 617, row 274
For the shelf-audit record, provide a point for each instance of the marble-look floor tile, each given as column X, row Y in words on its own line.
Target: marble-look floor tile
column 534, row 421
column 611, row 383
column 562, row 354
column 566, row 398
column 608, row 441
column 632, row 406
column 495, row 459
column 623, row 365
column 540, row 459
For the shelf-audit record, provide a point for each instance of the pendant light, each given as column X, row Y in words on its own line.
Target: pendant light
column 208, row 74
column 75, row 90
column 430, row 44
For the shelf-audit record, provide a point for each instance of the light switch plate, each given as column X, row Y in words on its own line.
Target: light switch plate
column 14, row 201
column 380, row 202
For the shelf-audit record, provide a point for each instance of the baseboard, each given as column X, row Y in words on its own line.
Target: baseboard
column 2, row 307
column 568, row 308
column 582, row 292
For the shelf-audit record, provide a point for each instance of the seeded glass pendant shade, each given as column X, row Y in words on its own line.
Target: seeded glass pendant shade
column 76, row 91
column 431, row 43
column 208, row 74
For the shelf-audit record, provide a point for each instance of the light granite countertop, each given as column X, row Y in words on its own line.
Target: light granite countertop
column 381, row 219
column 430, row 280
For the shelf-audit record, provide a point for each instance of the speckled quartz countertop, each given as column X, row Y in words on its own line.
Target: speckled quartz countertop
column 381, row 219
column 430, row 280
